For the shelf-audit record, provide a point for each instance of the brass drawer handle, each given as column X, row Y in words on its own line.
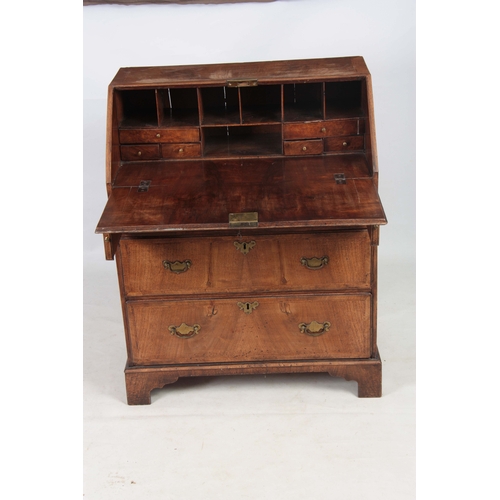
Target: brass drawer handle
column 177, row 267
column 244, row 247
column 184, row 331
column 314, row 329
column 247, row 307
column 314, row 263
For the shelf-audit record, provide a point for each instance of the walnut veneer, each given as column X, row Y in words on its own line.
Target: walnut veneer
column 288, row 144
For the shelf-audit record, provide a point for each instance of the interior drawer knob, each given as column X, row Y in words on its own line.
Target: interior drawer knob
column 184, row 331
column 158, row 135
column 181, row 150
column 177, row 266
column 344, row 144
column 323, row 130
column 139, row 153
column 314, row 263
column 304, row 148
column 314, row 329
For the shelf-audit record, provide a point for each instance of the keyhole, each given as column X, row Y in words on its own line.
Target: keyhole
column 248, row 306
column 244, row 246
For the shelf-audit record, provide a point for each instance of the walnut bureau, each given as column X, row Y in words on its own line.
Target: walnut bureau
column 243, row 213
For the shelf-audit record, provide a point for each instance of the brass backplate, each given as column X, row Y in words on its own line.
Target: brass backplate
column 244, row 219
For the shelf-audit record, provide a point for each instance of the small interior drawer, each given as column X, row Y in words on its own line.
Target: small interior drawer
column 181, row 150
column 159, row 135
column 318, row 129
column 348, row 143
column 310, row 147
column 140, row 152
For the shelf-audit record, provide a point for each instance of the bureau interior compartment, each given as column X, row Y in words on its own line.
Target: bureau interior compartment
column 303, row 101
column 256, row 140
column 220, row 105
column 137, row 108
column 178, row 107
column 261, row 104
column 343, row 99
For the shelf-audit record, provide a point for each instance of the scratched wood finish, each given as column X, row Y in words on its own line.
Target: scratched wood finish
column 273, row 263
column 270, row 332
column 284, row 194
column 209, row 147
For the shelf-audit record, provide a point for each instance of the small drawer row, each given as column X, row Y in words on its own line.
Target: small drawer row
column 131, row 152
column 319, row 146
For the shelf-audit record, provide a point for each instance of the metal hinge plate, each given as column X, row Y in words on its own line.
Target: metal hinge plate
column 143, row 186
column 244, row 219
column 340, row 178
column 242, row 83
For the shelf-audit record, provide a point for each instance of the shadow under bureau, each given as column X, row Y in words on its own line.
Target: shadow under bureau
column 243, row 214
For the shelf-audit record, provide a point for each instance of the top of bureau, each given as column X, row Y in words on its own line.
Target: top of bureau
column 293, row 141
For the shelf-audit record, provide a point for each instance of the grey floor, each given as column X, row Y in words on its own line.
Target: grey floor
column 256, row 437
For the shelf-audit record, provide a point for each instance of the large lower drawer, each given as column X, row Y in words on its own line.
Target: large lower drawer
column 182, row 266
column 249, row 329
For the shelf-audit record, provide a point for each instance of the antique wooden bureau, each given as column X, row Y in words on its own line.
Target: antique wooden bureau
column 243, row 213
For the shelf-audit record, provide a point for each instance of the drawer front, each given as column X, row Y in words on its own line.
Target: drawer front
column 140, row 152
column 310, row 147
column 155, row 135
column 249, row 329
column 179, row 266
column 320, row 129
column 181, row 150
column 348, row 143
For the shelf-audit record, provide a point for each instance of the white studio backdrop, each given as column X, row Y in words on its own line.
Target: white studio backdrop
column 381, row 31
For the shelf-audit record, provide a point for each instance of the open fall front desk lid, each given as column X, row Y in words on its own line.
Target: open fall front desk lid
column 284, row 192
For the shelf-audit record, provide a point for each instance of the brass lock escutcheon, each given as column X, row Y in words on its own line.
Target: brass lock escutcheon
column 314, row 329
column 244, row 247
column 177, row 266
column 184, row 331
column 247, row 307
column 314, row 263
column 244, row 219
column 242, row 83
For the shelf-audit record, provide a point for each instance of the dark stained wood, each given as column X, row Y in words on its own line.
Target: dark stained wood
column 349, row 143
column 137, row 136
column 299, row 148
column 181, row 150
column 320, row 129
column 293, row 141
column 285, row 194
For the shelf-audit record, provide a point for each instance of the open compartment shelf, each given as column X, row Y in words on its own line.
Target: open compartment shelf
column 138, row 108
column 303, row 101
column 220, row 106
column 261, row 104
column 259, row 140
column 343, row 99
column 178, row 107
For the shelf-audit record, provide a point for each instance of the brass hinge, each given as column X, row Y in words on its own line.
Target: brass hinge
column 340, row 178
column 143, row 186
column 244, row 219
column 242, row 83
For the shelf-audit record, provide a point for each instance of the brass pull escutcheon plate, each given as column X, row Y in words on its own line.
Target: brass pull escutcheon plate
column 244, row 247
column 314, row 329
column 314, row 263
column 247, row 307
column 184, row 331
column 177, row 267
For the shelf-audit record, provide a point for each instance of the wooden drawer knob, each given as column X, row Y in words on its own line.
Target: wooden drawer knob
column 139, row 153
column 181, row 150
column 304, row 148
column 158, row 135
column 344, row 144
column 323, row 130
